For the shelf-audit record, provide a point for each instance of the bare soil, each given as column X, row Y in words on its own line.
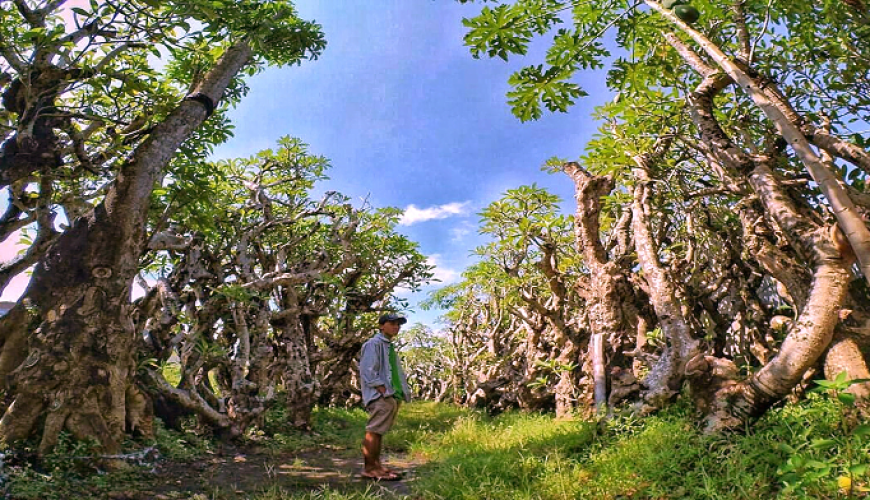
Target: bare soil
column 235, row 473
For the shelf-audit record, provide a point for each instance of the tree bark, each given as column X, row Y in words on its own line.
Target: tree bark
column 844, row 355
column 301, row 387
column 842, row 205
column 818, row 304
column 665, row 377
column 815, row 324
column 607, row 284
column 80, row 358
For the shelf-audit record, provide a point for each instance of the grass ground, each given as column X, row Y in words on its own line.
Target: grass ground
column 811, row 450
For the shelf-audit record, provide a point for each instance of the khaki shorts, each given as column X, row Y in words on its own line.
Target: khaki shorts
column 382, row 414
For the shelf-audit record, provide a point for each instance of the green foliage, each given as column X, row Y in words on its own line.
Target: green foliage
column 68, row 456
column 522, row 223
column 534, row 85
column 172, row 373
column 840, row 457
column 669, row 4
column 72, row 467
column 272, row 27
column 31, row 484
column 509, row 28
column 182, row 446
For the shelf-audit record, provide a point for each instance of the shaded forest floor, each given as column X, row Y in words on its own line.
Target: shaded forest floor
column 815, row 449
column 244, row 473
column 269, row 464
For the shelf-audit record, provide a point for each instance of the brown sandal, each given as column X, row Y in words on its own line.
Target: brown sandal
column 380, row 476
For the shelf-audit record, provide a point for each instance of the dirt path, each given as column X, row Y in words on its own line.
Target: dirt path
column 236, row 474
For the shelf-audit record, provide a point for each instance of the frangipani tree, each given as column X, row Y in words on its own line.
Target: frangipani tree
column 678, row 117
column 273, row 291
column 68, row 344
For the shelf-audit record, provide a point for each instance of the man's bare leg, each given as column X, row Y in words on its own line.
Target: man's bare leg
column 371, row 449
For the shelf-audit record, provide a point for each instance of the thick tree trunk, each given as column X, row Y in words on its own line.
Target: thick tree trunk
column 301, row 387
column 335, row 372
column 819, row 305
column 606, row 282
column 567, row 390
column 815, row 324
column 80, row 359
column 250, row 388
column 801, row 349
column 666, row 375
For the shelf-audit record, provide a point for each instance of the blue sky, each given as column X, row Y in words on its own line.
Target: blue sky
column 409, row 119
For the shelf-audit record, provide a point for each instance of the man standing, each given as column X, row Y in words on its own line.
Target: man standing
column 383, row 386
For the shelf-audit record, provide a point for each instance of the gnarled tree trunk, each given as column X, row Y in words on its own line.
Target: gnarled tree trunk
column 784, row 118
column 665, row 377
column 607, row 283
column 814, row 328
column 818, row 306
column 301, row 387
column 80, row 362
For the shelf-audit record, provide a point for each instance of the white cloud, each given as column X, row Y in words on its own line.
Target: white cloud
column 446, row 275
column 459, row 233
column 414, row 215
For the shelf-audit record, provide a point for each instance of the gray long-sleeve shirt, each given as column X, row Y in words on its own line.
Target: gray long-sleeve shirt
column 374, row 370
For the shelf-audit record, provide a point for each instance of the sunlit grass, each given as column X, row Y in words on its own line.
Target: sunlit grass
column 277, row 493
column 515, row 456
column 528, row 456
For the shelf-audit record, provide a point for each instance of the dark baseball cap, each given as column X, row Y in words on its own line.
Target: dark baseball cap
column 392, row 317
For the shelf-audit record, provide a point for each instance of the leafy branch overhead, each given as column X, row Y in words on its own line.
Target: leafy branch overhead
column 508, row 29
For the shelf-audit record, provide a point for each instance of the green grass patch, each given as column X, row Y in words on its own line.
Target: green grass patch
column 515, row 456
column 369, row 493
column 529, row 456
column 335, row 428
